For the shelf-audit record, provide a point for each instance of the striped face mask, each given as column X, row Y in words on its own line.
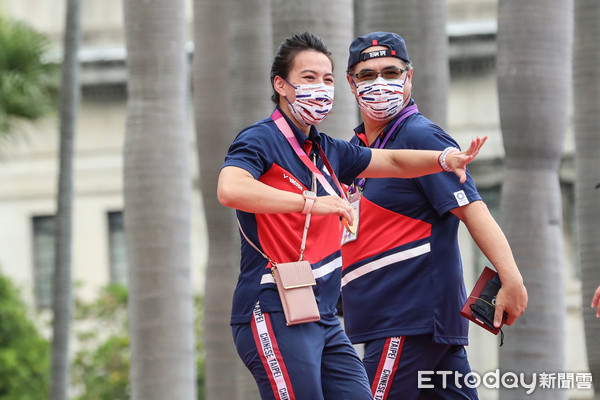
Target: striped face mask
column 381, row 99
column 313, row 103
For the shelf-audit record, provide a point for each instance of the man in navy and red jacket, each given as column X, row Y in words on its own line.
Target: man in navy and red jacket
column 402, row 277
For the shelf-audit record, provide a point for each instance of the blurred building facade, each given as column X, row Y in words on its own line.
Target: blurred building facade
column 29, row 166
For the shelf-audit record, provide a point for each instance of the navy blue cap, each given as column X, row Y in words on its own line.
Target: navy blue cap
column 396, row 47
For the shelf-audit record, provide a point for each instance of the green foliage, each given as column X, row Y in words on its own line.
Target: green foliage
column 24, row 353
column 101, row 366
column 200, row 370
column 28, row 84
column 104, row 371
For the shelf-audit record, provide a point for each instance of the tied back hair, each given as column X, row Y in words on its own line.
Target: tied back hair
column 288, row 50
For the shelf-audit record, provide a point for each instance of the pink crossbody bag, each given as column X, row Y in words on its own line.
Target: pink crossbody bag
column 294, row 282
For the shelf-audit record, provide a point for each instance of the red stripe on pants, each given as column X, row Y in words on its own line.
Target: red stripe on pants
column 388, row 365
column 268, row 351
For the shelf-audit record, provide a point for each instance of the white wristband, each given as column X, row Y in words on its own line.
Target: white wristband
column 442, row 158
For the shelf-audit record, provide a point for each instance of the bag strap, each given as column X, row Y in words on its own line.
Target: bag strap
column 307, row 221
column 253, row 245
column 284, row 128
column 269, row 259
column 304, row 234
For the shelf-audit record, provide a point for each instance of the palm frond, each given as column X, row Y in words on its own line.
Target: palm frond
column 28, row 85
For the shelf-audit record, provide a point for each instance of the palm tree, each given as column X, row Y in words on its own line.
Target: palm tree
column 251, row 45
column 62, row 295
column 422, row 23
column 157, row 192
column 533, row 116
column 331, row 20
column 214, row 125
column 239, row 82
column 27, row 83
column 586, row 95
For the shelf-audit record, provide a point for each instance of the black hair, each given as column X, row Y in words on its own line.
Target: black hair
column 284, row 59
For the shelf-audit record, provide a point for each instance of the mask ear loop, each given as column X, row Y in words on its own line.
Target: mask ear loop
column 295, row 89
column 288, row 82
column 289, row 102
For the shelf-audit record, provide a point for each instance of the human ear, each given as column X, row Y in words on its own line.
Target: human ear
column 279, row 85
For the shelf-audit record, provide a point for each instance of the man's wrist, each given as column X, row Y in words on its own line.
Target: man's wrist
column 442, row 159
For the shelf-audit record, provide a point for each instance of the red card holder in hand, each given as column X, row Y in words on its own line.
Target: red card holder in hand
column 480, row 306
column 294, row 282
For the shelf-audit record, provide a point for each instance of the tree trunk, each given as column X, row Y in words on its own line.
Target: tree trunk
column 226, row 376
column 531, row 38
column 62, row 295
column 332, row 21
column 251, row 59
column 157, row 202
column 586, row 87
column 422, row 24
